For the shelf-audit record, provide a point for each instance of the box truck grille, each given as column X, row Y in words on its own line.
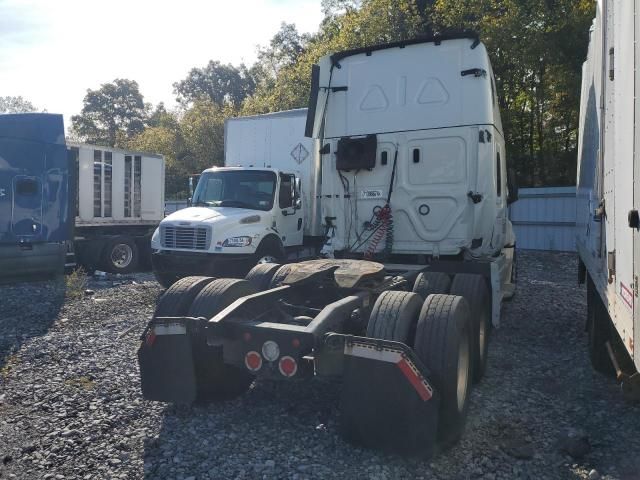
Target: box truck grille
column 191, row 238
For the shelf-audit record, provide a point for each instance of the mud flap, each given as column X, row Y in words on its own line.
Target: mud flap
column 167, row 371
column 387, row 401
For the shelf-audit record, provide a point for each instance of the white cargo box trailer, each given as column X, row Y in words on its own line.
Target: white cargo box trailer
column 120, row 201
column 608, row 195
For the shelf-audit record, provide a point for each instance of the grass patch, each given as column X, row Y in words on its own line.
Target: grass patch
column 10, row 361
column 76, row 283
column 84, row 383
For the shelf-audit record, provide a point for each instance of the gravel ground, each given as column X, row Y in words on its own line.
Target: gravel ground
column 70, row 403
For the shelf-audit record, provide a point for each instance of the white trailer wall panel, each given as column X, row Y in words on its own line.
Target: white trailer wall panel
column 119, row 187
column 608, row 165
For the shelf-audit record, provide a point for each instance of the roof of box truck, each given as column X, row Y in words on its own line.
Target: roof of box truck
column 114, row 150
column 296, row 112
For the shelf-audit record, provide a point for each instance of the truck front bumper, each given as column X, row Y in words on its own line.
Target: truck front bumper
column 183, row 264
column 31, row 260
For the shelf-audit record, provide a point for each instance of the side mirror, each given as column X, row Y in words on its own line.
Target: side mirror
column 189, row 202
column 512, row 186
column 298, row 204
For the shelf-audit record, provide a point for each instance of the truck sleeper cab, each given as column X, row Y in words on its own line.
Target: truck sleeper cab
column 35, row 208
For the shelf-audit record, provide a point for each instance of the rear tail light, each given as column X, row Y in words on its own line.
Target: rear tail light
column 288, row 366
column 253, row 361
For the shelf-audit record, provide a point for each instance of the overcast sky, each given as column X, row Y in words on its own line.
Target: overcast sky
column 51, row 51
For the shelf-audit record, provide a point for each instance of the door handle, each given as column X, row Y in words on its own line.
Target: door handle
column 634, row 219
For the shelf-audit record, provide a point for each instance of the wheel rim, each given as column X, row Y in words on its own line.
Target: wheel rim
column 121, row 255
column 268, row 259
column 463, row 371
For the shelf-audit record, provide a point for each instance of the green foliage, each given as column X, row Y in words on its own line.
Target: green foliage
column 111, row 114
column 190, row 141
column 218, row 83
column 537, row 48
column 16, row 105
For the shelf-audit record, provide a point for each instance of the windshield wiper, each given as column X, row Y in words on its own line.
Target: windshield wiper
column 235, row 203
column 201, row 204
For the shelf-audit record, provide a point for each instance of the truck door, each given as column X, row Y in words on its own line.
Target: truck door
column 22, row 163
column 289, row 216
column 26, row 218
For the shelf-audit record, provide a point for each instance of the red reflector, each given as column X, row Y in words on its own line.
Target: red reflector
column 253, row 361
column 246, row 336
column 295, row 342
column 288, row 366
column 151, row 337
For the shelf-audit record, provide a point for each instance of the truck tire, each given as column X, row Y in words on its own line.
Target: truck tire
column 443, row 343
column 429, row 283
column 395, row 316
column 474, row 290
column 120, row 255
column 260, row 276
column 215, row 380
column 598, row 332
column 270, row 250
column 177, row 299
column 165, row 279
column 279, row 276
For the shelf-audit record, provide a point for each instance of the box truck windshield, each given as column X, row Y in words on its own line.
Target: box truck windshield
column 241, row 189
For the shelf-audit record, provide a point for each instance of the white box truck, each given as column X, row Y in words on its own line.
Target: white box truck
column 119, row 203
column 410, row 129
column 261, row 207
column 608, row 198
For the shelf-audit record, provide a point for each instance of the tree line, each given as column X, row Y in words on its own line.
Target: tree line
column 536, row 46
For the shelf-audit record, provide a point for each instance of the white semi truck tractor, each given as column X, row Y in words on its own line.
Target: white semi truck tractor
column 608, row 195
column 258, row 208
column 418, row 256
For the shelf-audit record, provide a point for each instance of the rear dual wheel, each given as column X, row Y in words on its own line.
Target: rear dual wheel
column 474, row 290
column 439, row 330
column 443, row 344
column 261, row 275
column 216, row 380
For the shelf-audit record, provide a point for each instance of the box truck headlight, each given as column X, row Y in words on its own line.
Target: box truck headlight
column 237, row 242
column 251, row 219
column 155, row 239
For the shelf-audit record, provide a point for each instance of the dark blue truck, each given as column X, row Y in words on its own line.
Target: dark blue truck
column 36, row 210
